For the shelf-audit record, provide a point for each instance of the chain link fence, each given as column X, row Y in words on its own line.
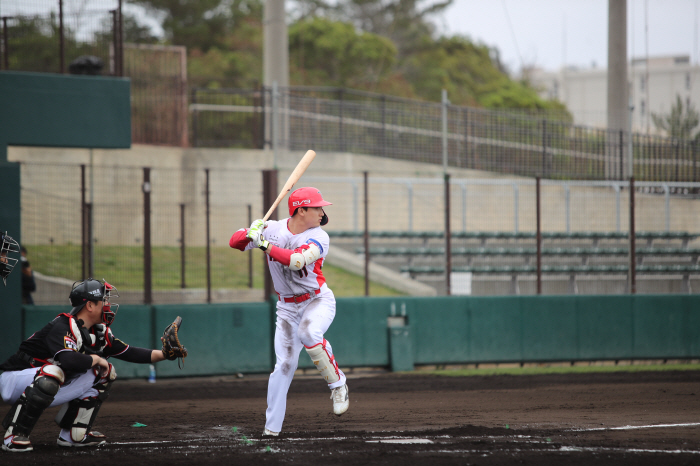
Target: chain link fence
column 190, row 226
column 158, row 94
column 193, row 213
column 60, row 36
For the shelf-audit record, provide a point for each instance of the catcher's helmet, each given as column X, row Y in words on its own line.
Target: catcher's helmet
column 94, row 290
column 307, row 197
column 7, row 262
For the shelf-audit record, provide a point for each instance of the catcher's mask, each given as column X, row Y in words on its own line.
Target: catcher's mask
column 307, row 197
column 7, row 262
column 95, row 290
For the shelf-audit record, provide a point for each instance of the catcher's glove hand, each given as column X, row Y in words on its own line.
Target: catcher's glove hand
column 172, row 348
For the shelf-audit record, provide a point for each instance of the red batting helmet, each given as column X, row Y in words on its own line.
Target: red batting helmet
column 307, row 197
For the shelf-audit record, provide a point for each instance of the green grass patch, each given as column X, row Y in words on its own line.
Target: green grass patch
column 123, row 267
column 543, row 370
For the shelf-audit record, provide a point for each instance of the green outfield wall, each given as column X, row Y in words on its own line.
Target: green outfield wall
column 233, row 338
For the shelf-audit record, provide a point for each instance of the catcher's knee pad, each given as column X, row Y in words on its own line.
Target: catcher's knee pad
column 324, row 362
column 38, row 396
column 78, row 415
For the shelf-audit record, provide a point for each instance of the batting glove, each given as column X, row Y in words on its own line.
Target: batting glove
column 260, row 242
column 255, row 230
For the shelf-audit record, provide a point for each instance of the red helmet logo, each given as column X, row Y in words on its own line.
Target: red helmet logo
column 305, row 197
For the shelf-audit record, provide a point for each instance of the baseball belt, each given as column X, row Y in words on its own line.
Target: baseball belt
column 299, row 298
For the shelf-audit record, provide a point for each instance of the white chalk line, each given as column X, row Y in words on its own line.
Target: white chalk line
column 156, row 442
column 403, row 439
column 485, row 452
column 406, row 440
column 627, row 450
column 651, row 426
column 563, row 449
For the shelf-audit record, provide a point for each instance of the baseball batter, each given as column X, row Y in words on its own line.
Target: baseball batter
column 296, row 248
column 65, row 363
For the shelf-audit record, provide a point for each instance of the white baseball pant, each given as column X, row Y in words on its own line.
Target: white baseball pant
column 13, row 383
column 297, row 325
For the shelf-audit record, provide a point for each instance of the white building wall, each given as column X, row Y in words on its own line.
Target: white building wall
column 653, row 90
column 585, row 95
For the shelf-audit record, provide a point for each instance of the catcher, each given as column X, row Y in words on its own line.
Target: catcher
column 65, row 363
column 8, row 246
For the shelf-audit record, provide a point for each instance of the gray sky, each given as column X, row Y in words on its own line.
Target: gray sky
column 554, row 33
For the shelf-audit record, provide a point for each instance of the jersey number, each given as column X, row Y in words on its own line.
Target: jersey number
column 303, row 272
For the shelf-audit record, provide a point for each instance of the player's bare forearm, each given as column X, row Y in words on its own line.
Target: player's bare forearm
column 96, row 359
column 101, row 363
column 157, row 356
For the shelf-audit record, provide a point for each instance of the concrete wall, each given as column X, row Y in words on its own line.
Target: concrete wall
column 177, row 176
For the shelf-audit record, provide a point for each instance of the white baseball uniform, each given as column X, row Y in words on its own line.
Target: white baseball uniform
column 305, row 311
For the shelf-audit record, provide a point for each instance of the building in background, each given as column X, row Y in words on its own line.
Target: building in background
column 655, row 83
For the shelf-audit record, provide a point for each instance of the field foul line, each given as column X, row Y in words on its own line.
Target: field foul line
column 652, row 426
column 457, row 451
column 626, row 450
column 399, row 439
column 563, row 449
column 156, row 442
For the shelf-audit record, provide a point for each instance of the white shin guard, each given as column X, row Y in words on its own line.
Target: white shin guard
column 78, row 417
column 324, row 362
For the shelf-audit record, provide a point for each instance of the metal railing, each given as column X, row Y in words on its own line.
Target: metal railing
column 518, row 143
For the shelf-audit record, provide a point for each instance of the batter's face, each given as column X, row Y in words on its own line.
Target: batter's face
column 314, row 216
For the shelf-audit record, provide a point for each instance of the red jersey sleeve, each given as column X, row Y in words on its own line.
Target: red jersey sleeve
column 281, row 255
column 239, row 240
column 284, row 256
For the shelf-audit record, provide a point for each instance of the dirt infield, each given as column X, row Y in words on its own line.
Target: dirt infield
column 615, row 418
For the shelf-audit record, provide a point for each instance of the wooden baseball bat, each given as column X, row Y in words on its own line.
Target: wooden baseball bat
column 291, row 181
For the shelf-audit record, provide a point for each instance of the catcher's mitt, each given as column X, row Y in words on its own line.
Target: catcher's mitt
column 172, row 348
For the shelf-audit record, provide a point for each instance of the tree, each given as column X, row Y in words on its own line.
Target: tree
column 223, row 38
column 237, row 62
column 386, row 46
column 196, row 24
column 134, row 32
column 33, row 44
column 470, row 76
column 426, row 64
column 680, row 122
column 404, row 22
column 331, row 53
